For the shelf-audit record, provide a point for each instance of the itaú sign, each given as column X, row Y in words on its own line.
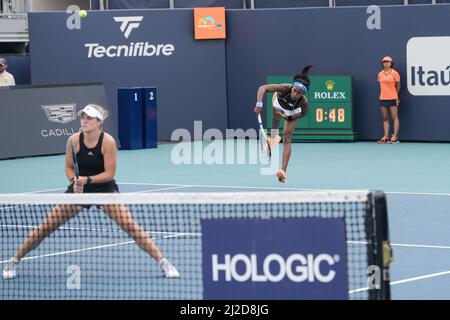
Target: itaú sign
column 428, row 66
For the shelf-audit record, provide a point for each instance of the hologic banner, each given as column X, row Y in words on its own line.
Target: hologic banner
column 274, row 259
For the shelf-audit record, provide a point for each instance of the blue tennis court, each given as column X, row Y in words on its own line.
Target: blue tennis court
column 191, row 116
column 418, row 201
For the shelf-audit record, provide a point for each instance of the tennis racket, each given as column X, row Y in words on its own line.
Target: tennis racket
column 75, row 161
column 266, row 149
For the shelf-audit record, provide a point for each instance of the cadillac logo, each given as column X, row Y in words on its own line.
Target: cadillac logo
column 60, row 113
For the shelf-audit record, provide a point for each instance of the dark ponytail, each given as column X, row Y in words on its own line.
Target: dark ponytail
column 302, row 77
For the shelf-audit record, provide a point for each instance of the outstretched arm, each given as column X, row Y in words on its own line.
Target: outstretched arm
column 267, row 88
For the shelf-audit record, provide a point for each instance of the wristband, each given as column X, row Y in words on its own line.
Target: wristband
column 259, row 104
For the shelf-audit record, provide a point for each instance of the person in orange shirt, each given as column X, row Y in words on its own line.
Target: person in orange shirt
column 389, row 80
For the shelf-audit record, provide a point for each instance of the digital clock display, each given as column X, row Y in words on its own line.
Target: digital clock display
column 329, row 115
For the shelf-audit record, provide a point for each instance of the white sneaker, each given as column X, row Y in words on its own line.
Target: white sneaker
column 10, row 269
column 168, row 269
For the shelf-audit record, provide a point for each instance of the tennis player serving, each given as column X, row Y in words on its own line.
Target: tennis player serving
column 289, row 103
column 95, row 152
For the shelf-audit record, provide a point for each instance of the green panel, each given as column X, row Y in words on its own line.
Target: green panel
column 329, row 115
column 331, row 88
column 330, row 112
column 279, row 79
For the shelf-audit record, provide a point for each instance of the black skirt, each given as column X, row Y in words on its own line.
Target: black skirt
column 388, row 103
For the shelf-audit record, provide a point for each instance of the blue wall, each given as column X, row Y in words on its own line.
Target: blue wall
column 216, row 81
column 191, row 81
column 337, row 42
column 369, row 2
column 137, row 4
column 290, row 3
column 141, row 4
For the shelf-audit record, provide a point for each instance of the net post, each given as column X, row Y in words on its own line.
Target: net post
column 373, row 293
column 384, row 250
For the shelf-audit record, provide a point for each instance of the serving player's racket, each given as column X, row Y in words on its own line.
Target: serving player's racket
column 266, row 148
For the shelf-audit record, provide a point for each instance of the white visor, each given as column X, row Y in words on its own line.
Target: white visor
column 91, row 112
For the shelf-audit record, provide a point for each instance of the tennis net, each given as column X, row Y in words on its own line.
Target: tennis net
column 271, row 245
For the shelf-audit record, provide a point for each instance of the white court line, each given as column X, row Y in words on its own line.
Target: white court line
column 419, row 193
column 73, row 251
column 21, row 226
column 209, row 186
column 98, row 247
column 153, row 184
column 40, row 191
column 143, row 191
column 270, row 188
column 432, row 275
column 12, row 226
column 244, row 187
column 7, row 208
column 180, row 235
column 18, row 226
column 161, row 189
column 406, row 245
column 427, row 276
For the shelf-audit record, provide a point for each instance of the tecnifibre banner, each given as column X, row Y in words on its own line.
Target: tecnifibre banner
column 136, row 48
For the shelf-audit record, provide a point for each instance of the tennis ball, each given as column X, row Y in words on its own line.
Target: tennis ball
column 83, row 13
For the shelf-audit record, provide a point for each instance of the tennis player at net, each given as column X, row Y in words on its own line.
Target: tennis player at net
column 96, row 159
column 289, row 103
